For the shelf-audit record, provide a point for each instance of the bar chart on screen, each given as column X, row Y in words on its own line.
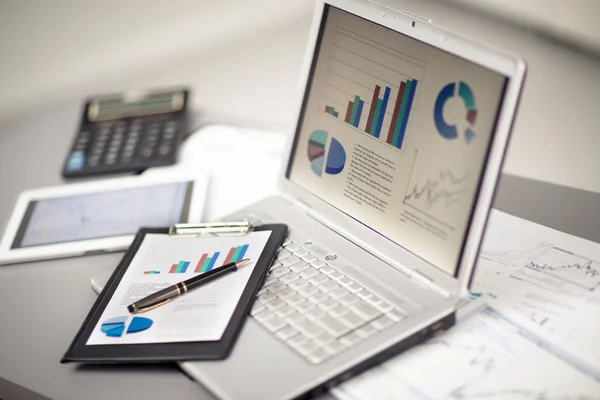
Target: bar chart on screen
column 371, row 87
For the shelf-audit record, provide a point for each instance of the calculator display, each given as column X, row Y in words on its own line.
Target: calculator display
column 135, row 104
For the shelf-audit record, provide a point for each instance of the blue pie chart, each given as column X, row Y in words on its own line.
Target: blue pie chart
column 332, row 161
column 115, row 327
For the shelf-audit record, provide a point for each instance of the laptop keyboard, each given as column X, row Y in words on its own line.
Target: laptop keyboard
column 316, row 309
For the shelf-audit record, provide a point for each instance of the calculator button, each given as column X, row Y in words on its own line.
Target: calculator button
column 146, row 152
column 76, row 161
column 164, row 150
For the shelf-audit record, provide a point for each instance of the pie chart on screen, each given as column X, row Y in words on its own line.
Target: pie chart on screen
column 115, row 327
column 331, row 161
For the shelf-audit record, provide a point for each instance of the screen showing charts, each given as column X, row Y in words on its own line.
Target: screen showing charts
column 394, row 133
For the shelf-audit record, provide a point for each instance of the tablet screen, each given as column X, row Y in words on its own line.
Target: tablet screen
column 102, row 215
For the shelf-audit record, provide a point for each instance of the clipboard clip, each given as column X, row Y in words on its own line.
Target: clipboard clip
column 241, row 227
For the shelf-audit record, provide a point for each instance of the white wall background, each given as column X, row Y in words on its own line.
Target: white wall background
column 242, row 58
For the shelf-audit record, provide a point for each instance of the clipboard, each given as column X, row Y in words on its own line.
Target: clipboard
column 107, row 338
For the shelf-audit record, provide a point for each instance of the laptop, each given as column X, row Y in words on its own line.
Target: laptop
column 386, row 188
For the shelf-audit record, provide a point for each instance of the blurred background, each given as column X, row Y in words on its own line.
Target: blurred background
column 243, row 58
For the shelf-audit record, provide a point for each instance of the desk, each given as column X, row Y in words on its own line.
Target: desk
column 33, row 336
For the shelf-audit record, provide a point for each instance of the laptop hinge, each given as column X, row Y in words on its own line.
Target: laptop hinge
column 427, row 281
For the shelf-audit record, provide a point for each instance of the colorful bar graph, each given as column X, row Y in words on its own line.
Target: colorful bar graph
column 236, row 253
column 384, row 103
column 331, row 111
column 372, row 109
column 151, row 272
column 182, row 267
column 200, row 263
column 209, row 262
column 377, row 112
column 395, row 113
column 349, row 111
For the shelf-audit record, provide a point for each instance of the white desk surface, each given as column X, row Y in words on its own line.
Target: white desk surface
column 35, row 332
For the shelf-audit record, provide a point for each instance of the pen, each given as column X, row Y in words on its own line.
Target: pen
column 165, row 295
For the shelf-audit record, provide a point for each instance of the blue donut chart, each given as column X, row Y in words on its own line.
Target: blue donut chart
column 446, row 130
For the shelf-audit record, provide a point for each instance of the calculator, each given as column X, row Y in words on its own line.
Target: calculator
column 128, row 132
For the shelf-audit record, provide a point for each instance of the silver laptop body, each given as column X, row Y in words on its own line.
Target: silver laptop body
column 386, row 188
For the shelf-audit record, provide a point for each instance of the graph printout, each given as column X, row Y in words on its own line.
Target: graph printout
column 485, row 357
column 203, row 313
column 395, row 133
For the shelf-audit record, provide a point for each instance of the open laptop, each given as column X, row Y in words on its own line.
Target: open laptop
column 386, row 189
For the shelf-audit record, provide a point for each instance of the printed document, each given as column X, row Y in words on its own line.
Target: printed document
column 202, row 314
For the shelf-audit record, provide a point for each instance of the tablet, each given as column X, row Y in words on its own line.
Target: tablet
column 99, row 216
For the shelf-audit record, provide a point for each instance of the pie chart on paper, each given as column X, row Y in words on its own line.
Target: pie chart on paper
column 331, row 161
column 115, row 327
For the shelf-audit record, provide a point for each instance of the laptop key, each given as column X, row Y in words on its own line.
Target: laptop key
column 309, row 273
column 256, row 308
column 297, row 340
column 267, row 297
column 307, row 348
column 349, row 300
column 339, row 293
column 327, row 269
column 285, row 311
column 332, row 326
column 276, row 264
column 286, row 241
column 325, row 338
column 338, row 311
column 308, row 328
column 274, row 324
column 318, row 263
column 292, row 246
column 286, row 293
column 328, row 304
column 383, row 306
column 352, row 320
column 289, row 278
column 314, row 313
column 283, row 253
column 300, row 252
column 299, row 284
column 354, row 287
column 263, row 316
column 309, row 291
column 363, row 310
column 294, row 318
column 295, row 299
column 345, row 281
column 277, row 272
column 269, row 280
column 299, row 267
column 286, row 333
column 275, row 304
column 309, row 257
column 304, row 306
column 328, row 286
column 319, row 279
column 318, row 298
column 365, row 294
column 336, row 275
column 289, row 260
column 276, row 287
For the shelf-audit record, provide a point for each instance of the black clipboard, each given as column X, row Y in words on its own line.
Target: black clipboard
column 80, row 352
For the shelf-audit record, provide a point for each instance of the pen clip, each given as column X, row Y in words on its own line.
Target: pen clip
column 153, row 306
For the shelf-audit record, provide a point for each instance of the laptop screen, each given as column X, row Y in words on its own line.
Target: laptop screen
column 395, row 133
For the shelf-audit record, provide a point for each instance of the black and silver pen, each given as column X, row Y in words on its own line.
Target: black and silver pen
column 165, row 295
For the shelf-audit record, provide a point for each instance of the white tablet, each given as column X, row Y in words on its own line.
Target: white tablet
column 99, row 216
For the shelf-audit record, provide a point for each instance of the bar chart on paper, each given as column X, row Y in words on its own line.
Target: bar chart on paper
column 372, row 87
column 205, row 263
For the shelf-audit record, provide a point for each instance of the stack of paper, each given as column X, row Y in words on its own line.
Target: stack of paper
column 531, row 333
